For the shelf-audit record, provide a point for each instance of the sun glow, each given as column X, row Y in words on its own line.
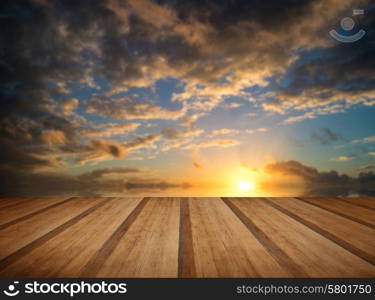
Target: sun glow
column 246, row 186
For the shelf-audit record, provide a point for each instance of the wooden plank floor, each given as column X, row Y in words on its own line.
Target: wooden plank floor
column 187, row 237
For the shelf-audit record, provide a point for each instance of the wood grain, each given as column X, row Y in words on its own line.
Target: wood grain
column 40, row 241
column 358, row 214
column 364, row 202
column 186, row 264
column 150, row 246
column 280, row 256
column 332, row 226
column 94, row 265
column 66, row 254
column 224, row 247
column 22, row 211
column 9, row 202
column 311, row 251
column 20, row 234
column 187, row 237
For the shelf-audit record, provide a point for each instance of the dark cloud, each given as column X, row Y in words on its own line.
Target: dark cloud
column 366, row 177
column 98, row 150
column 326, row 136
column 197, row 165
column 173, row 133
column 11, row 157
column 150, row 186
column 109, row 129
column 321, row 183
column 215, row 49
column 99, row 173
column 96, row 183
column 145, row 141
column 129, row 109
column 367, row 167
column 341, row 74
column 134, row 43
column 296, row 142
column 307, row 173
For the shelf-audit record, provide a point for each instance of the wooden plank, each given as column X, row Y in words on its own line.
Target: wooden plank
column 186, row 264
column 16, row 213
column 280, row 256
column 9, row 202
column 95, row 264
column 359, row 214
column 67, row 253
column 150, row 246
column 22, row 233
column 224, row 247
column 17, row 255
column 317, row 255
column 364, row 202
column 197, row 237
column 332, row 226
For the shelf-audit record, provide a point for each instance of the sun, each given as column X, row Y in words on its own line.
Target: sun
column 246, row 186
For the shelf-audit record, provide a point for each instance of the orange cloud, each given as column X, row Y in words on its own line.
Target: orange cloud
column 223, row 131
column 197, row 165
column 67, row 106
column 213, row 143
column 53, row 137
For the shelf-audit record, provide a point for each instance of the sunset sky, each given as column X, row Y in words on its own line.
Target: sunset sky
column 185, row 98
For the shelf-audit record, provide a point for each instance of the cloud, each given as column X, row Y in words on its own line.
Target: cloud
column 231, row 105
column 99, row 150
column 110, row 147
column 189, row 121
column 142, row 142
column 307, row 173
column 197, row 165
column 252, row 131
column 223, row 131
column 99, row 173
column 152, row 185
column 295, row 119
column 96, row 183
column 367, row 167
column 216, row 49
column 344, row 158
column 173, row 133
column 101, row 51
column 366, row 140
column 228, row 131
column 68, row 105
column 323, row 183
column 326, row 136
column 366, row 177
column 177, row 136
column 110, row 129
column 14, row 158
column 53, row 137
column 128, row 109
column 296, row 142
column 41, row 2
column 222, row 143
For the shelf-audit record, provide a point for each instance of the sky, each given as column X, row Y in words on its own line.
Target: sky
column 186, row 98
